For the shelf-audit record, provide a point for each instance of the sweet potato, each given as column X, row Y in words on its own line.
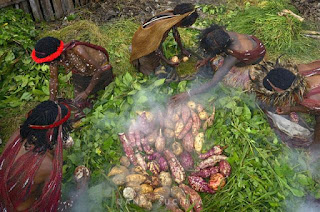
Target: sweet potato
column 186, row 160
column 139, row 170
column 188, row 142
column 154, row 167
column 146, row 147
column 163, row 164
column 142, row 201
column 169, row 124
column 169, row 133
column 192, row 105
column 215, row 150
column 162, row 192
column 141, row 161
column 118, row 170
column 209, row 121
column 137, row 178
column 217, row 181
column 127, row 148
column 165, row 179
column 137, row 137
column 153, row 156
column 160, row 142
column 125, row 161
column 144, row 126
column 179, row 127
column 225, row 168
column 194, row 197
column 199, row 108
column 185, row 113
column 171, row 205
column 211, row 161
column 129, row 193
column 207, row 172
column 151, row 138
column 177, row 170
column 185, row 129
column 199, row 184
column 203, row 115
column 198, row 142
column 178, row 193
column 145, row 188
column 119, row 179
column 196, row 123
column 176, row 148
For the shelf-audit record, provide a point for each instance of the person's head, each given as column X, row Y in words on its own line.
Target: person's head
column 214, row 40
column 278, row 79
column 47, row 49
column 44, row 114
column 185, row 8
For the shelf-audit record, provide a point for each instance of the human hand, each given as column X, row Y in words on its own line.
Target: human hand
column 81, row 96
column 283, row 110
column 181, row 97
column 201, row 63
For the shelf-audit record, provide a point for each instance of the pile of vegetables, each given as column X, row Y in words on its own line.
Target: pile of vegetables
column 156, row 164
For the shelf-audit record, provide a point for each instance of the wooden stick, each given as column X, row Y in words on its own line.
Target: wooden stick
column 310, row 32
column 312, row 36
column 285, row 12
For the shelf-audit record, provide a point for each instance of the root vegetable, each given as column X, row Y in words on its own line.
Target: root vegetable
column 160, row 142
column 176, row 148
column 209, row 121
column 203, row 115
column 168, row 123
column 175, row 117
column 175, row 59
column 141, row 161
column 185, row 59
column 177, row 170
column 165, row 179
column 171, row 205
column 186, row 129
column 154, row 167
column 215, row 150
column 151, row 138
column 192, row 105
column 211, row 161
column 168, row 133
column 68, row 143
column 149, row 116
column 225, row 168
column 162, row 192
column 137, row 137
column 155, row 181
column 178, row 193
column 199, row 108
column 185, row 113
column 144, row 126
column 145, row 188
column 118, row 170
column 188, row 142
column 119, row 179
column 194, row 197
column 163, row 164
column 127, row 148
column 153, row 156
column 179, row 127
column 129, row 193
column 199, row 184
column 139, row 170
column 186, row 160
column 137, row 178
column 196, row 123
column 146, row 147
column 125, row 161
column 217, row 181
column 198, row 142
column 142, row 201
column 135, row 186
column 207, row 172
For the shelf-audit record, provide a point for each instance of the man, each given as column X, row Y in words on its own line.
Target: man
column 237, row 49
column 31, row 164
column 88, row 63
column 147, row 41
column 291, row 89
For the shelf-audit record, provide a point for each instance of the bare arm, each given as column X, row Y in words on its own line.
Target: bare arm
column 53, row 85
column 228, row 63
column 177, row 38
column 163, row 58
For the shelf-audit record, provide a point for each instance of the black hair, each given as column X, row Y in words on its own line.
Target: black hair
column 215, row 40
column 185, row 8
column 280, row 77
column 47, row 46
column 44, row 114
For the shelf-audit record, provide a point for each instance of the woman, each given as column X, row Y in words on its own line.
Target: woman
column 237, row 49
column 31, row 164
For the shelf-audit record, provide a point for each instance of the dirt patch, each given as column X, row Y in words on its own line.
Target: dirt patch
column 138, row 9
column 310, row 9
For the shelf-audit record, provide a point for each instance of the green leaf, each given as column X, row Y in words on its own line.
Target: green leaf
column 159, row 82
column 297, row 192
column 10, row 56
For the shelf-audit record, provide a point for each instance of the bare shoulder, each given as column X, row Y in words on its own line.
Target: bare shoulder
column 79, row 49
column 45, row 169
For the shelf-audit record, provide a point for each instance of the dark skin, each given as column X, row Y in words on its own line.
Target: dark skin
column 240, row 42
column 41, row 176
column 86, row 61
